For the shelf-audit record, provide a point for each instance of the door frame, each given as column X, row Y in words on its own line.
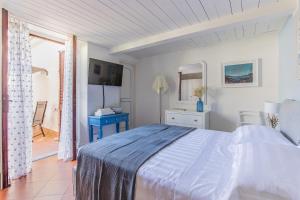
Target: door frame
column 5, row 104
column 130, row 97
column 5, row 180
column 74, row 133
column 74, row 96
column 61, row 89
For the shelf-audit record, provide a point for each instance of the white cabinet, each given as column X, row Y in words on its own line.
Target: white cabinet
column 187, row 118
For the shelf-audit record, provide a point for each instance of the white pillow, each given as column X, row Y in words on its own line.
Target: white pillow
column 289, row 117
column 258, row 134
column 264, row 171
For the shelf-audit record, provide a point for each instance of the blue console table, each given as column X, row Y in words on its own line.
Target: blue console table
column 100, row 121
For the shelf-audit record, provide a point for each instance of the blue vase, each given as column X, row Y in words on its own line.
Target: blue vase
column 199, row 105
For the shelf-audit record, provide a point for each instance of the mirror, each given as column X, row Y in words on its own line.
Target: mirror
column 191, row 76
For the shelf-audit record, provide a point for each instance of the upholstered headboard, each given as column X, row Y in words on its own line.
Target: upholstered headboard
column 289, row 117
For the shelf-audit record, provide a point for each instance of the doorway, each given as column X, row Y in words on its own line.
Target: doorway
column 12, row 71
column 47, row 80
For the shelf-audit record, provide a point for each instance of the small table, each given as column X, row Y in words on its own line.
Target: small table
column 100, row 121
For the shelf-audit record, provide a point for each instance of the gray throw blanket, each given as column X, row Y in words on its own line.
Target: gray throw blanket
column 106, row 170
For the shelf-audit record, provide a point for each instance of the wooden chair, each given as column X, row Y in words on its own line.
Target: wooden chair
column 39, row 115
column 247, row 117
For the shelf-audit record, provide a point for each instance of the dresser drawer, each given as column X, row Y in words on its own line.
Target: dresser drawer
column 185, row 119
column 195, row 120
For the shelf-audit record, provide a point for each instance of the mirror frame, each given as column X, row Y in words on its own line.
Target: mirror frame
column 204, row 83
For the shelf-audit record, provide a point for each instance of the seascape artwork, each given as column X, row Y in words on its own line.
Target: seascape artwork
column 238, row 73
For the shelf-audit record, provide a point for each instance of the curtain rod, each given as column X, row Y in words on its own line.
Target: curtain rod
column 45, row 38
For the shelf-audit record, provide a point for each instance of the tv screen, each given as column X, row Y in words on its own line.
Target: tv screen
column 104, row 73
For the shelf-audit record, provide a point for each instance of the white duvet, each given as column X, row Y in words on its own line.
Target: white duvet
column 254, row 162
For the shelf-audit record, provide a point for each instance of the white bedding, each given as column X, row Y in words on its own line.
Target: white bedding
column 218, row 165
column 265, row 171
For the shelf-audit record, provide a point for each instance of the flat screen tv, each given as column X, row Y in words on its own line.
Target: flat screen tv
column 104, row 73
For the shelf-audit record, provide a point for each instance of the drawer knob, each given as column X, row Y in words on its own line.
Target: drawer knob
column 195, row 120
column 173, row 118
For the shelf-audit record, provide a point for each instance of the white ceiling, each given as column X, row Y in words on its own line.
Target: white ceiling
column 239, row 32
column 112, row 23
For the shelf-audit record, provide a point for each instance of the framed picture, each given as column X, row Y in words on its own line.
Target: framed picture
column 240, row 74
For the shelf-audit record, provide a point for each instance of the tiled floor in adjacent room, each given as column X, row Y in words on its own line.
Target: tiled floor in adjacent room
column 44, row 145
column 50, row 180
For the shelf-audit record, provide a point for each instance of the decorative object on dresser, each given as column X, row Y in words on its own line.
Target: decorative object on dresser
column 160, row 86
column 198, row 92
column 240, row 74
column 187, row 118
column 271, row 110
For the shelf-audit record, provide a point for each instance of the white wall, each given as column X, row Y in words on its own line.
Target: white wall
column 226, row 101
column 90, row 96
column 289, row 87
column 45, row 54
column 112, row 93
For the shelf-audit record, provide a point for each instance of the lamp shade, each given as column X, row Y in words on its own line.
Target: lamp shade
column 271, row 107
column 160, row 84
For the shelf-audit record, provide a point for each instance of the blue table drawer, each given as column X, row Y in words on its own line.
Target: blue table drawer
column 123, row 118
column 107, row 121
column 94, row 121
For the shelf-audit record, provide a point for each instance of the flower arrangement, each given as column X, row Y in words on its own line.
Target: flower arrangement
column 273, row 120
column 198, row 92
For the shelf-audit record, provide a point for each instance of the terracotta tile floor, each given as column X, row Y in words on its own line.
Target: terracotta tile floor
column 50, row 180
column 43, row 146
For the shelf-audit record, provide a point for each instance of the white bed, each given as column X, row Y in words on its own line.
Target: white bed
column 254, row 162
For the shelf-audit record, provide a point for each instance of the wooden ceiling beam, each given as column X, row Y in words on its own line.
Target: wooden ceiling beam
column 273, row 11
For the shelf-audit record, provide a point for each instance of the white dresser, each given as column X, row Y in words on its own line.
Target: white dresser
column 187, row 118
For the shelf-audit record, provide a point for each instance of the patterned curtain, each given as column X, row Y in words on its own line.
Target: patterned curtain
column 20, row 99
column 65, row 142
